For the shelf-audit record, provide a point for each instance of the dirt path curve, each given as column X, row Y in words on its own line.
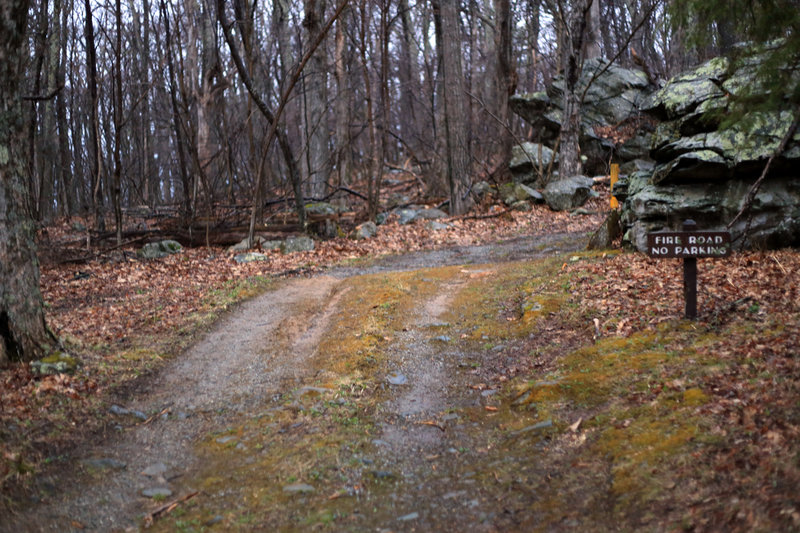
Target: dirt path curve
column 262, row 350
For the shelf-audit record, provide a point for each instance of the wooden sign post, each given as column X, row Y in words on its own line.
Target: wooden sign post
column 689, row 244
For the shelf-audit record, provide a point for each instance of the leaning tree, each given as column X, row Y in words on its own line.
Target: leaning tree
column 23, row 333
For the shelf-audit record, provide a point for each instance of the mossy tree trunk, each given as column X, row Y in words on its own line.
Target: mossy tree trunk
column 23, row 334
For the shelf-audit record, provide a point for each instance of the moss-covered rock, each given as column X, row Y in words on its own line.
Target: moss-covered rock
column 56, row 363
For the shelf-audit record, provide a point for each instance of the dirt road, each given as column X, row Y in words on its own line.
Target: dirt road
column 351, row 401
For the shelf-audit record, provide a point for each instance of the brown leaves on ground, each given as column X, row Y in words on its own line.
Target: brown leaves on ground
column 121, row 313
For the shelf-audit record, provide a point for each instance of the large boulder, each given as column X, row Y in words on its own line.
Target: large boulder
column 302, row 243
column 530, row 162
column 613, row 99
column 704, row 167
column 157, row 250
column 568, row 194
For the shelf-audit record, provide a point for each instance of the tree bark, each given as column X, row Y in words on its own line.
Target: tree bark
column 23, row 333
column 574, row 19
column 315, row 85
column 504, row 84
column 344, row 159
column 96, row 159
column 457, row 156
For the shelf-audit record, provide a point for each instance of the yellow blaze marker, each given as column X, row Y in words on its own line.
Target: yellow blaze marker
column 614, row 179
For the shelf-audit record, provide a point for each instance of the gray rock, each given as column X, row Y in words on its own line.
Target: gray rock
column 530, row 162
column 312, row 391
column 57, row 363
column 157, row 492
column 704, row 168
column 546, row 424
column 322, row 208
column 260, row 242
column 121, row 411
column 567, row 194
column 435, row 225
column 302, row 488
column 155, row 470
column 250, row 257
column 430, row 214
column 518, row 192
column 396, row 378
column 302, row 243
column 408, row 517
column 481, row 189
column 117, row 410
column 613, row 98
column 226, row 439
column 406, row 216
column 105, row 463
column 367, row 230
column 521, row 206
column 157, row 250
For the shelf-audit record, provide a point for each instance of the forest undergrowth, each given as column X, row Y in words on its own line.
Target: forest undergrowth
column 698, row 420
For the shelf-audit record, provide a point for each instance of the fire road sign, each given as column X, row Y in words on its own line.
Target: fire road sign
column 689, row 244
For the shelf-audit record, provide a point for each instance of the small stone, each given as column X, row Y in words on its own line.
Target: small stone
column 406, row 216
column 536, row 427
column 157, row 492
column 396, row 378
column 449, row 417
column 225, row 440
column 302, row 488
column 138, row 414
column 367, row 230
column 250, row 257
column 117, row 410
column 435, row 225
column 379, row 442
column 216, row 520
column 105, row 463
column 302, row 243
column 488, row 392
column 442, row 338
column 311, row 391
column 154, row 470
column 383, row 474
column 408, row 517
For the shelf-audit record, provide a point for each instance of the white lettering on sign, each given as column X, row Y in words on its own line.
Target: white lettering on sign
column 668, row 239
column 705, row 239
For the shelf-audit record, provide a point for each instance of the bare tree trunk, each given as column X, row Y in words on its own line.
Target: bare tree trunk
column 23, row 333
column 315, row 98
column 116, row 191
column 39, row 52
column 593, row 36
column 64, row 156
column 504, row 83
column 176, row 116
column 344, row 160
column 408, row 76
column 573, row 19
column 96, row 157
column 374, row 165
column 457, row 157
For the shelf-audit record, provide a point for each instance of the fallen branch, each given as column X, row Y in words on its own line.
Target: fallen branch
column 167, row 508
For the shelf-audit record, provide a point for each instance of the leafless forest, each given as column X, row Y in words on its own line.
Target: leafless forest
column 196, row 106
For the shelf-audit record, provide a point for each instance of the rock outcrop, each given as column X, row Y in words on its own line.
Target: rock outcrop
column 704, row 168
column 613, row 99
